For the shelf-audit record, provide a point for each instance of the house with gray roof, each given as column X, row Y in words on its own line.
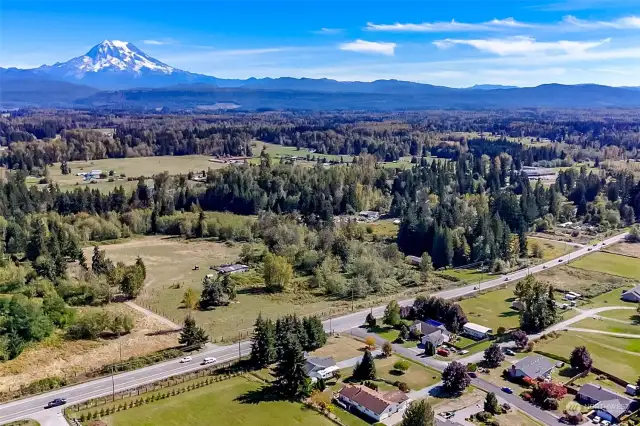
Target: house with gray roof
column 632, row 295
column 608, row 404
column 320, row 367
column 436, row 335
column 534, row 367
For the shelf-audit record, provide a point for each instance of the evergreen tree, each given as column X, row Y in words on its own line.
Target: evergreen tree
column 99, row 262
column 426, row 266
column 315, row 334
column 201, row 230
column 263, row 343
column 191, row 334
column 365, row 369
column 37, row 244
column 291, row 380
column 491, row 404
column 419, row 413
column 213, row 293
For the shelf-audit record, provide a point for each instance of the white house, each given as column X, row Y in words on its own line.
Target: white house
column 476, row 331
column 374, row 404
column 320, row 368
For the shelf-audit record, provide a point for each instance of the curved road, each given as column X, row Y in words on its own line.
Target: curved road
column 33, row 407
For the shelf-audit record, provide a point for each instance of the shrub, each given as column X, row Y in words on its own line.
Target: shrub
column 401, row 366
column 550, row 404
column 483, row 416
column 472, row 366
column 371, row 385
column 403, row 387
column 501, row 331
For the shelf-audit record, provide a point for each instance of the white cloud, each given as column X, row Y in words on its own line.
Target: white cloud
column 451, row 26
column 625, row 23
column 522, row 46
column 328, row 31
column 363, row 46
column 568, row 23
column 154, row 42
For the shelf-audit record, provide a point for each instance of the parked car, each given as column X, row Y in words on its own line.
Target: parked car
column 472, row 374
column 186, row 359
column 589, row 249
column 509, row 352
column 209, row 360
column 507, row 390
column 559, row 260
column 596, row 420
column 605, row 423
column 448, row 414
column 442, row 352
column 56, row 402
column 506, row 278
column 463, row 352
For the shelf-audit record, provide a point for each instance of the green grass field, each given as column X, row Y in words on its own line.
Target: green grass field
column 590, row 284
column 610, row 326
column 237, row 401
column 278, row 151
column 609, row 263
column 468, row 276
column 617, row 356
column 130, row 167
column 609, row 298
column 492, row 309
column 623, row 314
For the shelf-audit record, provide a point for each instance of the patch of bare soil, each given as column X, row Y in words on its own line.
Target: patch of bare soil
column 587, row 283
column 66, row 358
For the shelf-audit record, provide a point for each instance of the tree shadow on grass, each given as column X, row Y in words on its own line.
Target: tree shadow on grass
column 253, row 291
column 263, row 394
column 510, row 299
column 567, row 372
column 509, row 314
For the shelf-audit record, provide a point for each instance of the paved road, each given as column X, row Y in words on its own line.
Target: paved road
column 34, row 405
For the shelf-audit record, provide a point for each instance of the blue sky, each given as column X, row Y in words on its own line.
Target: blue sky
column 445, row 42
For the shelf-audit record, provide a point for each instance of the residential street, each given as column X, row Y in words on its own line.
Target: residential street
column 28, row 407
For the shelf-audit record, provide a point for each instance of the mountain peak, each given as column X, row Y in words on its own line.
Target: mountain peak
column 117, row 55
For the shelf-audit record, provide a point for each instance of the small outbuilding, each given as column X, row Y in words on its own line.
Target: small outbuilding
column 632, row 295
column 232, row 268
column 476, row 331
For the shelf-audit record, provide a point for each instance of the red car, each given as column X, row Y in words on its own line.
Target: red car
column 443, row 352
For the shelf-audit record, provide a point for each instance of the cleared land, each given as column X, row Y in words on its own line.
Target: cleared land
column 130, row 167
column 278, row 151
column 58, row 356
column 623, row 315
column 550, row 249
column 468, row 276
column 609, row 298
column 236, row 401
column 617, row 356
column 170, row 263
column 492, row 309
column 341, row 348
column 608, row 263
column 586, row 282
column 627, row 249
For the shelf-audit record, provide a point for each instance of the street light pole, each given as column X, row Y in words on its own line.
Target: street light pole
column 113, row 384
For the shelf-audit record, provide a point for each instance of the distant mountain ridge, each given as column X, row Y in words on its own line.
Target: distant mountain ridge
column 116, row 74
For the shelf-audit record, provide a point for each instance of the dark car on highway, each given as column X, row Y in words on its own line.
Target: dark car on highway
column 56, row 402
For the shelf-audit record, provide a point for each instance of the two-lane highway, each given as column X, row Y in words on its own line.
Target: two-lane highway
column 31, row 406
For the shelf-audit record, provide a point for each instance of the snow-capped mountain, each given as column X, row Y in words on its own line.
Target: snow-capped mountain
column 111, row 55
column 115, row 64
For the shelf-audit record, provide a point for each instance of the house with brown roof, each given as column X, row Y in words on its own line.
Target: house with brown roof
column 374, row 404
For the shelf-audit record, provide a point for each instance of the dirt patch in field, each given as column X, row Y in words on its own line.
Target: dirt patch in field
column 587, row 283
column 626, row 249
column 60, row 357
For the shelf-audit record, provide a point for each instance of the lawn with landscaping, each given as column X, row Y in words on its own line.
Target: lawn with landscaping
column 417, row 376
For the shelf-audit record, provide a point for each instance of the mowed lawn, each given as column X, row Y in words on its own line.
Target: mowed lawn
column 609, row 263
column 492, row 309
column 416, row 377
column 609, row 326
column 617, row 356
column 468, row 276
column 630, row 315
column 237, row 401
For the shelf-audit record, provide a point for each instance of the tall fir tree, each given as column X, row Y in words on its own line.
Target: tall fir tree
column 192, row 335
column 365, row 369
column 291, row 380
column 263, row 343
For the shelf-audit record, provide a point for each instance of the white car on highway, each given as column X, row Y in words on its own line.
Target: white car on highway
column 186, row 359
column 209, row 360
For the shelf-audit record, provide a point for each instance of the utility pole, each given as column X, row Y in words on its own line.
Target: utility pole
column 239, row 352
column 113, row 384
column 330, row 326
